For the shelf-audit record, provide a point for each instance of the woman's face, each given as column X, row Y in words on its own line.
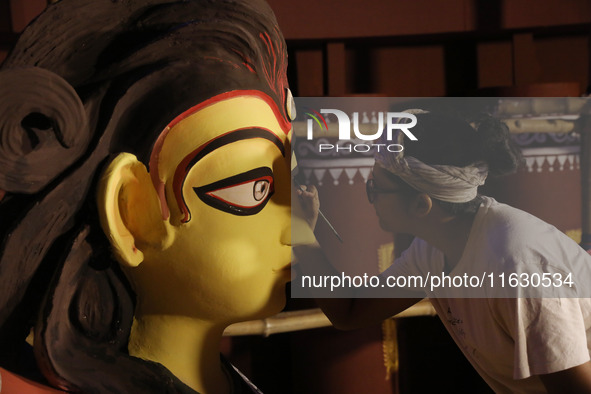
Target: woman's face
column 224, row 167
column 390, row 203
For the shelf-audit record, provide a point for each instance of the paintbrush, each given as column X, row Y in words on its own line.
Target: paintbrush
column 320, row 214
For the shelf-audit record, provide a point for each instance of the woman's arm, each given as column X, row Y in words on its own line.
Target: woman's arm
column 576, row 380
column 344, row 312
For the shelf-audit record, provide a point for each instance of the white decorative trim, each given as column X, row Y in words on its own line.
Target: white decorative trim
column 344, row 163
column 316, row 170
column 559, row 150
column 558, row 158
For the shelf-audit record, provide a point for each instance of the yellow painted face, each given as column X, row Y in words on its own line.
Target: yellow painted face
column 223, row 174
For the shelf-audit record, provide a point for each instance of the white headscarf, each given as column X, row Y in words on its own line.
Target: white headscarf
column 442, row 182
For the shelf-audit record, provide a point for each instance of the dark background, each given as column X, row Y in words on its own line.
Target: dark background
column 406, row 48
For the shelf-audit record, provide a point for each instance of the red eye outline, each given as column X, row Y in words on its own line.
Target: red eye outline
column 207, row 193
column 226, row 200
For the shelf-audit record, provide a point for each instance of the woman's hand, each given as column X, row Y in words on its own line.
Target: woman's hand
column 310, row 203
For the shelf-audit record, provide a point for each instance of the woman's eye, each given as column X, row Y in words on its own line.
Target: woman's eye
column 242, row 194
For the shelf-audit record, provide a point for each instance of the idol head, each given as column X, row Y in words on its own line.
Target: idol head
column 144, row 170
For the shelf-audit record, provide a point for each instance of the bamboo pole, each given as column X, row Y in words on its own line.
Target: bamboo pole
column 585, row 155
column 307, row 319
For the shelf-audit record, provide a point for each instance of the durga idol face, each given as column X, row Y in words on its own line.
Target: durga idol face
column 222, row 173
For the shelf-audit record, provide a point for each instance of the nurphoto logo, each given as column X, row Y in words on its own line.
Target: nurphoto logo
column 394, row 121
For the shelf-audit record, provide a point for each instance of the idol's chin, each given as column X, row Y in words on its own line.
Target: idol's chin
column 276, row 302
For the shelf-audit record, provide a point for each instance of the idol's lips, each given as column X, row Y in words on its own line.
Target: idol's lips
column 286, row 267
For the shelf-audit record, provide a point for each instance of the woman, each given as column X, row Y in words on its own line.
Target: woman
column 145, row 201
column 518, row 343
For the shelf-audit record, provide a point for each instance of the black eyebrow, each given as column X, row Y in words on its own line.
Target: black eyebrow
column 233, row 136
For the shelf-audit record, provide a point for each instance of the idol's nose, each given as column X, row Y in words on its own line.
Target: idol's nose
column 286, row 231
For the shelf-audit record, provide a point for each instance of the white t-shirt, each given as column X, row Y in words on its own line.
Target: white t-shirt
column 511, row 340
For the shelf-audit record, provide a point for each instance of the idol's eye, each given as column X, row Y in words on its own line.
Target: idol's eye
column 242, row 194
column 245, row 195
column 261, row 189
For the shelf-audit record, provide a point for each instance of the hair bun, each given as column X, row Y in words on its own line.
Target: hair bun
column 497, row 147
column 43, row 128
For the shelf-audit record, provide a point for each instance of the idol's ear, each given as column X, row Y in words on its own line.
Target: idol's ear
column 129, row 210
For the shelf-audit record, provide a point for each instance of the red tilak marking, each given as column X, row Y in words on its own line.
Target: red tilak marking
column 247, row 62
column 270, row 47
column 276, row 84
column 249, row 68
column 236, row 66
